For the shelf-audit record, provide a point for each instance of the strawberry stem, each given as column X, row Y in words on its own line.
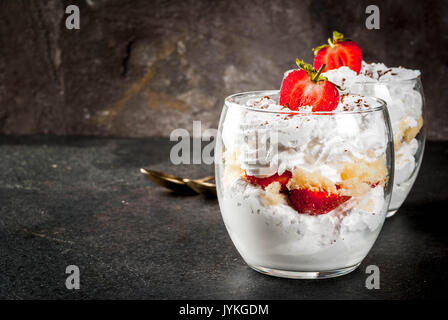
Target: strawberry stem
column 316, row 76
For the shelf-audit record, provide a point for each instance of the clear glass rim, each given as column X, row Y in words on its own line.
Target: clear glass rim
column 377, row 82
column 227, row 101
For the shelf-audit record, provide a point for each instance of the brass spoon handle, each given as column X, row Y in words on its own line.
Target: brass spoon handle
column 186, row 180
column 161, row 175
column 179, row 184
column 168, row 181
column 206, row 179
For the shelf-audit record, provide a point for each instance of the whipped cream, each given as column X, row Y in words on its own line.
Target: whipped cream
column 280, row 238
column 370, row 72
column 268, row 143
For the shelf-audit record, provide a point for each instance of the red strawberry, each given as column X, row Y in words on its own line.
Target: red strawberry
column 339, row 52
column 374, row 185
column 264, row 182
column 315, row 202
column 307, row 87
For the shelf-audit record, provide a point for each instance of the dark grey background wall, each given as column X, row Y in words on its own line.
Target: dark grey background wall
column 139, row 68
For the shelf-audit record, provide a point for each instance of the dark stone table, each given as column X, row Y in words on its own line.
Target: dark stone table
column 82, row 201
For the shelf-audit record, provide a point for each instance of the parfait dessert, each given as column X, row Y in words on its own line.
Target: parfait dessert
column 304, row 175
column 402, row 90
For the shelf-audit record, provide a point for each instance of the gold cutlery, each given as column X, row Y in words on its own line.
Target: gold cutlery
column 181, row 185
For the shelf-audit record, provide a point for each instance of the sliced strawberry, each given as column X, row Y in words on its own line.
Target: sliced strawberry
column 307, row 87
column 315, row 202
column 374, row 185
column 338, row 53
column 264, row 182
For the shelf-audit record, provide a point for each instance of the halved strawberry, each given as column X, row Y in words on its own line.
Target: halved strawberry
column 315, row 202
column 337, row 53
column 264, row 182
column 307, row 87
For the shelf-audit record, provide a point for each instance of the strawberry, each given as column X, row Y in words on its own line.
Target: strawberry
column 264, row 182
column 374, row 185
column 337, row 53
column 307, row 87
column 315, row 202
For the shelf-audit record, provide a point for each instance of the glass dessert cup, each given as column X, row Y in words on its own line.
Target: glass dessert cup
column 405, row 103
column 331, row 155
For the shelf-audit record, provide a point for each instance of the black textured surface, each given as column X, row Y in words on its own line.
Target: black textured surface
column 143, row 68
column 83, row 201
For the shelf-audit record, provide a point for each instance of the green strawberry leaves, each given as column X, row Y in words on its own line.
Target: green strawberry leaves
column 314, row 74
column 337, row 37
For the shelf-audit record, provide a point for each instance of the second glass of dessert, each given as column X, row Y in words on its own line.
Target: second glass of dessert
column 304, row 176
column 402, row 90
